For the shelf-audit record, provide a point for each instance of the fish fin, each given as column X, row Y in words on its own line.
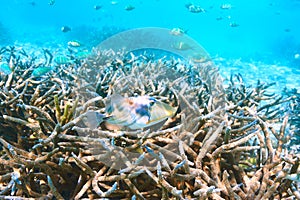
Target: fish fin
column 113, row 100
column 160, row 111
column 92, row 119
column 116, row 98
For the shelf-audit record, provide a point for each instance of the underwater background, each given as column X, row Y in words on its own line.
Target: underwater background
column 267, row 30
column 79, row 120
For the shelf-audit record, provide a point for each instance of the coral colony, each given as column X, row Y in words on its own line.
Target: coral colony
column 211, row 139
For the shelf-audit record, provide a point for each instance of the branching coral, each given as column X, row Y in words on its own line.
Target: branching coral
column 221, row 144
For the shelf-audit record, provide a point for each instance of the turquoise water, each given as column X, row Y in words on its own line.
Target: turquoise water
column 268, row 30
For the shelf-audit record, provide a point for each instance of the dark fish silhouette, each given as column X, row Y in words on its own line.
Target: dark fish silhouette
column 194, row 8
column 129, row 7
column 51, row 2
column 65, row 29
column 32, row 3
column 234, row 24
column 97, row 7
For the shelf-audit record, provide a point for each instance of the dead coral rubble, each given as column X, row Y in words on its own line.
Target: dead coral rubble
column 222, row 143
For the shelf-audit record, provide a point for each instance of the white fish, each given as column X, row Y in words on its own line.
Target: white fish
column 132, row 112
column 177, row 31
column 137, row 112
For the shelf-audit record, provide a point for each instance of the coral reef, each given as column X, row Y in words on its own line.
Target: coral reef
column 223, row 143
column 294, row 113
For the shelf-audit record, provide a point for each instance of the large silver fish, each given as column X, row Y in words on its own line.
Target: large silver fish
column 132, row 112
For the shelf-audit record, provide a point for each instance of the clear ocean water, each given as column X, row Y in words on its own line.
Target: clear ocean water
column 267, row 31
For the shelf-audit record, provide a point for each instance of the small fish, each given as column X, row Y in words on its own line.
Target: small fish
column 74, row 43
column 61, row 60
column 41, row 71
column 32, row 3
column 234, row 24
column 129, row 7
column 195, row 9
column 177, row 31
column 297, row 56
column 114, row 2
column 4, row 68
column 226, row 6
column 97, row 7
column 82, row 54
column 51, row 2
column 180, row 45
column 132, row 112
column 293, row 177
column 65, row 29
column 219, row 18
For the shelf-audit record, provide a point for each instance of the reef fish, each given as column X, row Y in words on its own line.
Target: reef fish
column 129, row 7
column 132, row 112
column 194, row 8
column 4, row 68
column 65, row 29
column 41, row 71
column 32, row 3
column 97, row 7
column 177, row 31
column 226, row 6
column 51, row 2
column 234, row 24
column 61, row 60
column 74, row 43
column 82, row 54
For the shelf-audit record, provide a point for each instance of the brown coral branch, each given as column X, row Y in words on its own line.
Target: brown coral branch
column 209, row 139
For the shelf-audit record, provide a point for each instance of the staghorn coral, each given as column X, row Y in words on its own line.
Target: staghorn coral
column 223, row 143
column 294, row 106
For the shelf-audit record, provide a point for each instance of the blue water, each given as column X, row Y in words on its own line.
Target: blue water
column 268, row 30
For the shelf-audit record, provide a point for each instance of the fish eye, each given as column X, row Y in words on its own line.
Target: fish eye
column 152, row 103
